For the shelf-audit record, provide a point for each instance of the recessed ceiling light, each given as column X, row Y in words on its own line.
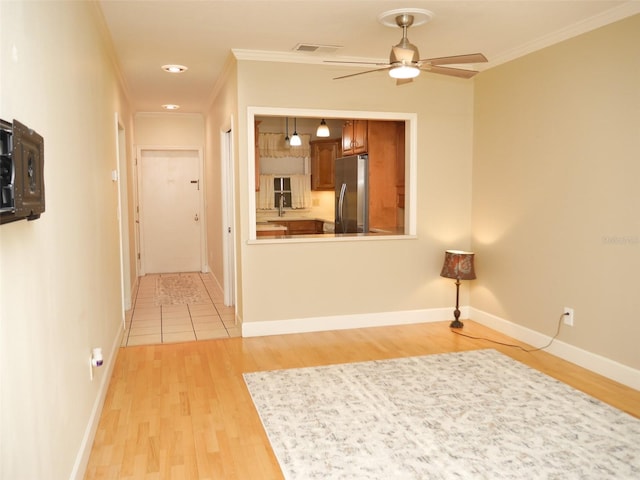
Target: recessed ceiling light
column 170, row 106
column 174, row 68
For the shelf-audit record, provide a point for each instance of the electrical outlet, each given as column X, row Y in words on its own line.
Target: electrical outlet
column 568, row 316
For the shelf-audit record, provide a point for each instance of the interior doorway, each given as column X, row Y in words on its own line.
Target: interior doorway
column 228, row 243
column 171, row 219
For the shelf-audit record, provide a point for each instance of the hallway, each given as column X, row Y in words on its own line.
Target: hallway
column 178, row 307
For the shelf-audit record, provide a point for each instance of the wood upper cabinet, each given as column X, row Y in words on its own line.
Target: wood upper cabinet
column 400, row 159
column 257, row 154
column 323, row 158
column 386, row 140
column 355, row 137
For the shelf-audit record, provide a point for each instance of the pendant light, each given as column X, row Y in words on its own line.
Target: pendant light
column 286, row 139
column 296, row 141
column 323, row 129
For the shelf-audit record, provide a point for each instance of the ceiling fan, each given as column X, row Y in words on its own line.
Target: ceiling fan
column 404, row 60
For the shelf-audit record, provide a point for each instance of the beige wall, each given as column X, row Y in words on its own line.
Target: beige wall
column 306, row 280
column 169, row 129
column 556, row 203
column 59, row 275
column 221, row 117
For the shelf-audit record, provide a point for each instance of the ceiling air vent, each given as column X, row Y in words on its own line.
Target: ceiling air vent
column 315, row 48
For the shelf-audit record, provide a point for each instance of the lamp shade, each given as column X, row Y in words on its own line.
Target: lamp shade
column 458, row 265
column 323, row 129
column 295, row 140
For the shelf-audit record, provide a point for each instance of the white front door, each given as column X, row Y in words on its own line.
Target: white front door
column 170, row 213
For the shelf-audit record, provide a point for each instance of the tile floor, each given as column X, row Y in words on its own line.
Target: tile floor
column 178, row 307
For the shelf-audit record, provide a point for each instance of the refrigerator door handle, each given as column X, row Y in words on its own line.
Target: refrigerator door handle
column 343, row 190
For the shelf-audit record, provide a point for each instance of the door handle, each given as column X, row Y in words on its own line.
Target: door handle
column 343, row 190
column 196, row 218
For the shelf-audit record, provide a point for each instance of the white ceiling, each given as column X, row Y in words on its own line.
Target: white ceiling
column 201, row 34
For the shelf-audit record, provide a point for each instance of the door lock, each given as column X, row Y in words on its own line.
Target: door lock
column 196, row 218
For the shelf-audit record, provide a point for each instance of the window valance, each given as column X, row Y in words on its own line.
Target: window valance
column 273, row 145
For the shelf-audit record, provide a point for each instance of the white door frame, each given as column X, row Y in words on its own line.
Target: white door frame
column 202, row 222
column 228, row 216
column 123, row 215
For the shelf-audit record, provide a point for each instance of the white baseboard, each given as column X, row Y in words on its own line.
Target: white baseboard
column 596, row 363
column 344, row 322
column 591, row 361
column 215, row 279
column 82, row 458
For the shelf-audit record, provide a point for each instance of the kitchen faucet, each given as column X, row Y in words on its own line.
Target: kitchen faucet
column 281, row 205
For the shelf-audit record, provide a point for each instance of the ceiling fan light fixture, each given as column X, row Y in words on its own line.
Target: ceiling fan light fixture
column 404, row 52
column 405, row 62
column 323, row 129
column 404, row 71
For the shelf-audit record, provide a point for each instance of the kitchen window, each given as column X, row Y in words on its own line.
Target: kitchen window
column 392, row 192
column 282, row 191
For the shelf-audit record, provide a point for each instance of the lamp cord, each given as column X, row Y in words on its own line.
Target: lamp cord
column 527, row 350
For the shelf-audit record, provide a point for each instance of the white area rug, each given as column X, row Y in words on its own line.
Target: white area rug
column 180, row 289
column 471, row 415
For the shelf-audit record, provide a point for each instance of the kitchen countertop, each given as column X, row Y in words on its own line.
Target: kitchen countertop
column 264, row 227
column 372, row 233
column 270, row 223
column 290, row 218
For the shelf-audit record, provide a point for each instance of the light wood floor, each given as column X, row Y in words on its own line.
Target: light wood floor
column 182, row 411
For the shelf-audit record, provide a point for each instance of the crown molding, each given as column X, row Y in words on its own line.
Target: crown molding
column 627, row 9
column 297, row 57
column 620, row 12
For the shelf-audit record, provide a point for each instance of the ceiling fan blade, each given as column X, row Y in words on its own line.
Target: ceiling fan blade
column 354, row 63
column 457, row 59
column 362, row 73
column 454, row 72
column 403, row 81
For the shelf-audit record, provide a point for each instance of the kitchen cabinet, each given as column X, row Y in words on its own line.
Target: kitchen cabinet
column 270, row 231
column 257, row 155
column 355, row 137
column 386, row 162
column 301, row 227
column 384, row 142
column 323, row 158
column 400, row 159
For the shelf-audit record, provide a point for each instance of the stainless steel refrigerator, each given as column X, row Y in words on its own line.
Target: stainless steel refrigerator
column 352, row 194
